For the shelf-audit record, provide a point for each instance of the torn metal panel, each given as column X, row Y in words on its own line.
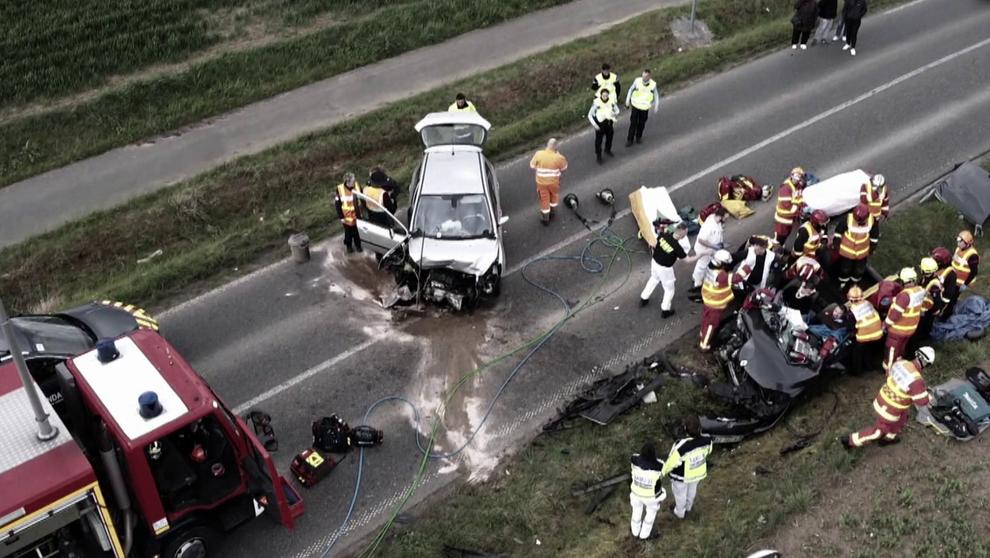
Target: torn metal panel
column 967, row 189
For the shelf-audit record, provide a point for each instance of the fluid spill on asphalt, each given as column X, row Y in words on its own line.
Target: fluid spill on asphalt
column 354, row 275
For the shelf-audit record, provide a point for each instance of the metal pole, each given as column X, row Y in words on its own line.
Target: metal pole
column 45, row 429
column 694, row 9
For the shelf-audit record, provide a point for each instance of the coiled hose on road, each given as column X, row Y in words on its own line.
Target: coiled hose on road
column 590, row 264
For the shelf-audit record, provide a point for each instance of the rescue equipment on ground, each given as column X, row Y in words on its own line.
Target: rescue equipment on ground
column 310, row 467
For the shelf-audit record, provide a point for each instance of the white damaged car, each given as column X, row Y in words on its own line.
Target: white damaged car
column 449, row 249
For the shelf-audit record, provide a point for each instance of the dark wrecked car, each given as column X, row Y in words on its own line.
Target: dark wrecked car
column 768, row 365
column 449, row 251
column 47, row 340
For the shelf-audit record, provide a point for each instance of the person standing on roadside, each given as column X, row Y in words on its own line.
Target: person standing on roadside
column 549, row 165
column 805, row 15
column 852, row 13
column 687, row 465
column 602, row 116
column 641, row 97
column 666, row 252
column 461, row 104
column 645, row 491
column 827, row 10
column 348, row 210
column 608, row 80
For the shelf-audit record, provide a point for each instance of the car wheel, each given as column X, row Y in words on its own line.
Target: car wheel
column 193, row 542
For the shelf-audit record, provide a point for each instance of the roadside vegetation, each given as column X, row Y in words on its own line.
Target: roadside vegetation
column 925, row 497
column 218, row 224
column 260, row 48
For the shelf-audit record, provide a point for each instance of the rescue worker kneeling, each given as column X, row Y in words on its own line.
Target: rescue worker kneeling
column 716, row 294
column 687, row 465
column 645, row 491
column 904, row 386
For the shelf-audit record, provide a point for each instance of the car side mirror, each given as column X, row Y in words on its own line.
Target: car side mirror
column 503, row 220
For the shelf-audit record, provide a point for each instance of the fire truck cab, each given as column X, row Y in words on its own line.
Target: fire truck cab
column 148, row 461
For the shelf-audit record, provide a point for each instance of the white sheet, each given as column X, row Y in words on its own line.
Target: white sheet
column 837, row 194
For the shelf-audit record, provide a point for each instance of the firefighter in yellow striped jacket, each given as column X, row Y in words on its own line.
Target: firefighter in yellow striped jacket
column 716, row 294
column 855, row 238
column 869, row 329
column 904, row 387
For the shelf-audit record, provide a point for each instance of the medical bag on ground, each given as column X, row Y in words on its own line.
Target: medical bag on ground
column 310, row 467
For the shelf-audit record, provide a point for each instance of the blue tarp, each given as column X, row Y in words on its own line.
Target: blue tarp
column 971, row 314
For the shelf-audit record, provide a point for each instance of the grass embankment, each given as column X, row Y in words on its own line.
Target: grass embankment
column 229, row 217
column 753, row 493
column 91, row 41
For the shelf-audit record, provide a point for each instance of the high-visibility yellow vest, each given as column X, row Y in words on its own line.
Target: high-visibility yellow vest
column 789, row 193
column 855, row 242
column 688, row 461
column 910, row 315
column 716, row 291
column 642, row 94
column 468, row 107
column 874, row 198
column 868, row 325
column 960, row 263
column 348, row 203
column 813, row 243
column 604, row 110
column 644, row 482
column 378, row 195
column 602, row 82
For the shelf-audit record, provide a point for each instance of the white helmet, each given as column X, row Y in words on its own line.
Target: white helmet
column 723, row 257
column 926, row 356
column 878, row 180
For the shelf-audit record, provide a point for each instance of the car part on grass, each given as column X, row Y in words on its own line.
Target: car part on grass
column 599, row 498
column 612, row 396
column 604, row 483
column 967, row 190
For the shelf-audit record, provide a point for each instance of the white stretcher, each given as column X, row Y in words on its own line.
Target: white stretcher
column 836, row 195
column 649, row 204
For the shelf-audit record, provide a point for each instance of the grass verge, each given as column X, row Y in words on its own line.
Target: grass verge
column 753, row 493
column 215, row 224
column 144, row 108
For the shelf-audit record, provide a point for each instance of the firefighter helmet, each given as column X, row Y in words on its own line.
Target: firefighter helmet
column 928, row 266
column 855, row 294
column 797, row 173
column 908, row 275
column 819, row 217
column 942, row 256
column 925, row 355
column 878, row 180
column 723, row 257
column 861, row 212
column 966, row 237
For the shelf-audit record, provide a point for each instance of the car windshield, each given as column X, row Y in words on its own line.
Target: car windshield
column 453, row 217
column 50, row 335
column 453, row 134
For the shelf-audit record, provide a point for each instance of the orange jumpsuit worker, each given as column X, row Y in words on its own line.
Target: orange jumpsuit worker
column 716, row 294
column 903, row 317
column 876, row 196
column 549, row 165
column 904, row 386
column 790, row 202
column 966, row 260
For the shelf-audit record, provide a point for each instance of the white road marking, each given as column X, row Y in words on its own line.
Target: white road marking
column 758, row 146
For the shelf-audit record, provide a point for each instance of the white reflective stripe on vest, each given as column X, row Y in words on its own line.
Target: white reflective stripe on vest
column 902, row 376
column 917, row 297
column 547, row 173
column 644, row 482
column 862, row 310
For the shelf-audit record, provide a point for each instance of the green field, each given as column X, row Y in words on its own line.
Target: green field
column 77, row 46
column 922, row 498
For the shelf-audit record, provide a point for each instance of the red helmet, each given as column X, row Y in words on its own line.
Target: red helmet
column 942, row 256
column 819, row 217
column 861, row 212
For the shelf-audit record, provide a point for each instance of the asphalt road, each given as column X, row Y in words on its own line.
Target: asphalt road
column 307, row 340
column 43, row 202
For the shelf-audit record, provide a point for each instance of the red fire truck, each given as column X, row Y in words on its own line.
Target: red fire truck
column 147, row 461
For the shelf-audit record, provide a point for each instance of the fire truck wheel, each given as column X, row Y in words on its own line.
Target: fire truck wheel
column 193, row 542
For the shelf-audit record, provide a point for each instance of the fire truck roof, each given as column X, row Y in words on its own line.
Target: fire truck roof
column 147, row 363
column 33, row 473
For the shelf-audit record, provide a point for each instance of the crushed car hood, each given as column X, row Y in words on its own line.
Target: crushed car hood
column 766, row 363
column 473, row 257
